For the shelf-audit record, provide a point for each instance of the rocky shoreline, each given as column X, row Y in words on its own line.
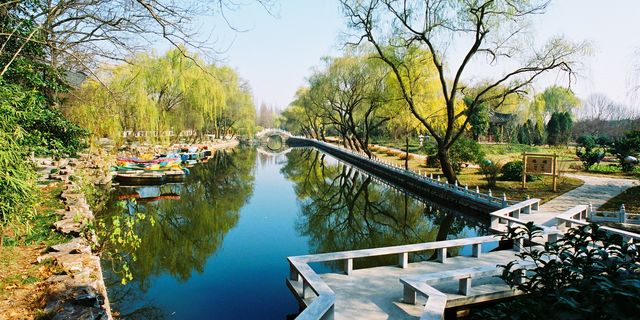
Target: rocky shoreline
column 78, row 290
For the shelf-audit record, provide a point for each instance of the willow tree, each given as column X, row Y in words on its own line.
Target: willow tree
column 163, row 94
column 349, row 94
column 489, row 32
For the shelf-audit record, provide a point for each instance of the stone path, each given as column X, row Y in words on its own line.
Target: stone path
column 595, row 190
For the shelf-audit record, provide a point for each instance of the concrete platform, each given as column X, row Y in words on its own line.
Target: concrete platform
column 376, row 293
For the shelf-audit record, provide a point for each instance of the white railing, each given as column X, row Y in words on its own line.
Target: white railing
column 621, row 216
column 322, row 307
column 272, row 131
column 437, row 182
column 510, row 216
column 578, row 216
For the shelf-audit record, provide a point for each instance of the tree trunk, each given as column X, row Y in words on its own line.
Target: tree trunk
column 446, row 165
column 406, row 159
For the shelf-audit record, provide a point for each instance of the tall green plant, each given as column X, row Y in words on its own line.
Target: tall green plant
column 17, row 189
column 587, row 274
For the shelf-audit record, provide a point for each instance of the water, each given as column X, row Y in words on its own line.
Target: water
column 215, row 247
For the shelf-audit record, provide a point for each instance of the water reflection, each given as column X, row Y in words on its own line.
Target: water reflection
column 207, row 248
column 184, row 224
column 343, row 208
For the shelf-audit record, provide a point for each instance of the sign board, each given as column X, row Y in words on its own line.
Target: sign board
column 540, row 164
column 545, row 164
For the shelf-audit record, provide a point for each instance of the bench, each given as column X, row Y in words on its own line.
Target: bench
column 437, row 300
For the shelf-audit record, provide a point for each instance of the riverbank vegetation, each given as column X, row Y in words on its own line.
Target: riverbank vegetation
column 162, row 96
column 75, row 72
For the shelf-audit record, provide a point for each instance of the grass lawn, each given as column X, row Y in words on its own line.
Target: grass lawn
column 22, row 289
column 541, row 189
column 630, row 198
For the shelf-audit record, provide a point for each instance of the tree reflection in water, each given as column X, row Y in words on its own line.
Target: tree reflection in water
column 177, row 236
column 344, row 209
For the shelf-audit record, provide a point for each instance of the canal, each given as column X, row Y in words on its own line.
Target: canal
column 215, row 246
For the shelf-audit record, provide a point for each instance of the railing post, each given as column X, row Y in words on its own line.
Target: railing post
column 553, row 236
column 403, row 260
column 408, row 295
column 623, row 214
column 464, row 286
column 348, row 266
column 518, row 245
column 442, row 255
column 293, row 273
column 476, row 250
column 329, row 314
column 307, row 292
column 495, row 222
column 520, row 277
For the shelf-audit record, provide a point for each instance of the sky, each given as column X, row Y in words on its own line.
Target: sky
column 276, row 52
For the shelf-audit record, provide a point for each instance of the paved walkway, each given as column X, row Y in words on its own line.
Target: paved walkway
column 376, row 293
column 595, row 190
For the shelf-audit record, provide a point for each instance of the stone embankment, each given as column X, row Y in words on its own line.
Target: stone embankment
column 78, row 290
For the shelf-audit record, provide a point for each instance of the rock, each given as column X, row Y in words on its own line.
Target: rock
column 71, row 263
column 69, row 226
column 75, row 246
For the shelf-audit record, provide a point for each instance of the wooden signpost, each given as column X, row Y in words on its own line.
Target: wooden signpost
column 544, row 164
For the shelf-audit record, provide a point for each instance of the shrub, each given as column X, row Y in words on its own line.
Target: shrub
column 392, row 153
column 512, row 171
column 490, row 171
column 373, row 148
column 626, row 146
column 572, row 277
column 403, row 156
column 432, row 161
column 587, row 152
column 465, row 150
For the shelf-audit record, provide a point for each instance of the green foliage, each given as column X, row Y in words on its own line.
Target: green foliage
column 465, row 150
column 17, row 187
column 159, row 94
column 512, row 171
column 530, row 133
column 587, row 274
column 622, row 147
column 559, row 100
column 479, row 121
column 587, row 152
column 559, row 128
column 490, row 171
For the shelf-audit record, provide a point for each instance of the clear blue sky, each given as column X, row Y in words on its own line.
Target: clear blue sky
column 278, row 52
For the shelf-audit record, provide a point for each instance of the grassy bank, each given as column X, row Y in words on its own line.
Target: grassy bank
column 471, row 176
column 630, row 198
column 22, row 289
